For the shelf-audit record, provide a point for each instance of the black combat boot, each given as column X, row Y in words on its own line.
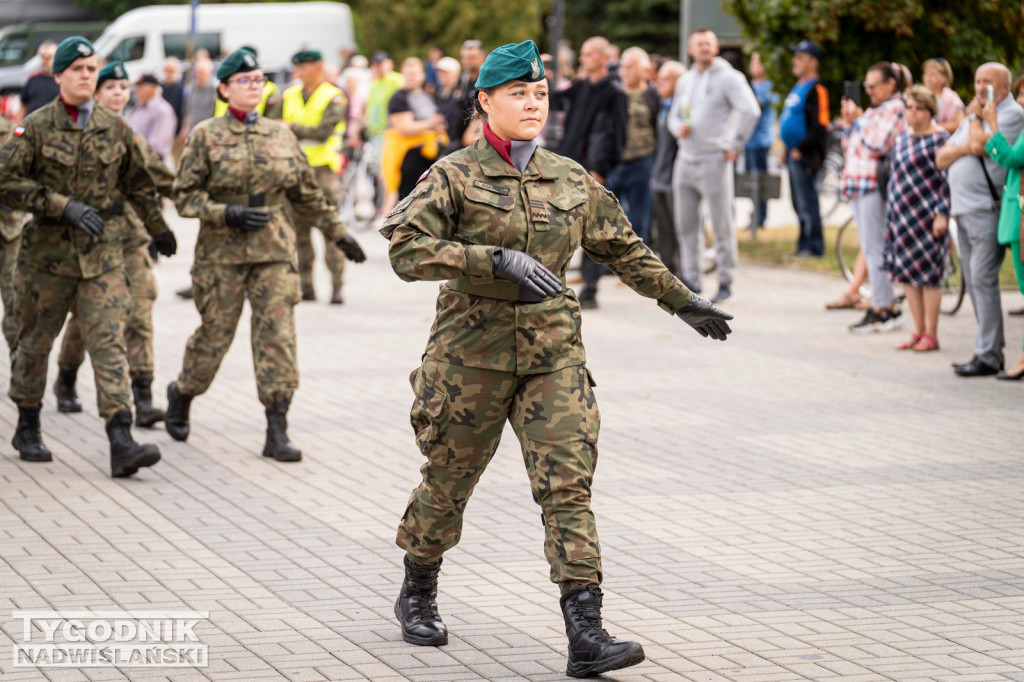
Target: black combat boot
column 146, row 414
column 592, row 650
column 307, row 292
column 28, row 438
column 336, row 298
column 277, row 445
column 416, row 608
column 176, row 418
column 127, row 456
column 64, row 389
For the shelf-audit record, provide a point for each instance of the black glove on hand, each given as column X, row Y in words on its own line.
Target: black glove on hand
column 165, row 243
column 536, row 281
column 84, row 217
column 245, row 218
column 350, row 247
column 708, row 320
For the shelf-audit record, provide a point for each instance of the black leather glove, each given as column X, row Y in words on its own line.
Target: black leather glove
column 165, row 243
column 350, row 247
column 708, row 320
column 245, row 218
column 536, row 281
column 84, row 217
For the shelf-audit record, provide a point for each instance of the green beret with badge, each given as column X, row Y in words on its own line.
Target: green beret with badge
column 114, row 71
column 69, row 50
column 239, row 61
column 306, row 57
column 512, row 62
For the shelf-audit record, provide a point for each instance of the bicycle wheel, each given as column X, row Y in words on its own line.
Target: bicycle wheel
column 953, row 284
column 846, row 245
column 830, row 193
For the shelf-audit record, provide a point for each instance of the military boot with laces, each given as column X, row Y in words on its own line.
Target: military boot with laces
column 28, row 437
column 127, row 456
column 64, row 389
column 146, row 413
column 592, row 650
column 278, row 446
column 416, row 608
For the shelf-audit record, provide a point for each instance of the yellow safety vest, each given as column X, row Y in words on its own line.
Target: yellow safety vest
column 309, row 114
column 269, row 88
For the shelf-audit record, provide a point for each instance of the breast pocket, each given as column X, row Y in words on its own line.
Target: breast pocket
column 487, row 217
column 569, row 212
column 228, row 169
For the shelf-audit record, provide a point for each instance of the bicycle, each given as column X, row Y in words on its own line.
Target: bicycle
column 362, row 192
column 953, row 285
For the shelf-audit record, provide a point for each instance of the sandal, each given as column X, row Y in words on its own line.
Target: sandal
column 927, row 343
column 844, row 302
column 911, row 342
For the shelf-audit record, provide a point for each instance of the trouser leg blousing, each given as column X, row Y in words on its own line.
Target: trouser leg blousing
column 416, row 606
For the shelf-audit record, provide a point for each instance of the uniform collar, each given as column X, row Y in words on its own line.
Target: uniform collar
column 62, row 119
column 494, row 166
column 236, row 126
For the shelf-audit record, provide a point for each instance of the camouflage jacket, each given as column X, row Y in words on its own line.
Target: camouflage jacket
column 10, row 220
column 225, row 162
column 49, row 161
column 135, row 230
column 472, row 201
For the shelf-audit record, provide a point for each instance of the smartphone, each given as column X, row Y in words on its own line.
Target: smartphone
column 991, row 94
column 852, row 90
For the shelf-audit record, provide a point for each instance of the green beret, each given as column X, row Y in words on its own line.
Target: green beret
column 252, row 49
column 114, row 71
column 306, row 56
column 237, row 62
column 69, row 50
column 512, row 62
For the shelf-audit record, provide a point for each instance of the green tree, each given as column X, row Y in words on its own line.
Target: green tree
column 854, row 34
column 650, row 24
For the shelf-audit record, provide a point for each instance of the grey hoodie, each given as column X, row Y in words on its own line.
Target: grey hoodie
column 721, row 108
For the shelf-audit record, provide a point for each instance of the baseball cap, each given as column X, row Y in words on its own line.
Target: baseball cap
column 808, row 47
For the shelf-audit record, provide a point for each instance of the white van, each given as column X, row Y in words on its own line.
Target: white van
column 144, row 37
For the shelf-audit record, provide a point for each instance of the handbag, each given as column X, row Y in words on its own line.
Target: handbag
column 882, row 173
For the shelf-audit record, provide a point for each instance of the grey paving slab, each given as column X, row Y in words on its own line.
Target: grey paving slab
column 797, row 503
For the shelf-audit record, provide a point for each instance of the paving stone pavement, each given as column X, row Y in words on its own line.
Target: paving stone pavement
column 796, row 503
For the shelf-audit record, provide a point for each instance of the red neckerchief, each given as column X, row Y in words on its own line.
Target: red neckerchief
column 237, row 113
column 73, row 111
column 503, row 147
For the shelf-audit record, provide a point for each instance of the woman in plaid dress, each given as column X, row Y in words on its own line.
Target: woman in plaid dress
column 917, row 215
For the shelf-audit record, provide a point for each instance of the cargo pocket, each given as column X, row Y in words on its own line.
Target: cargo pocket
column 592, row 414
column 429, row 415
column 204, row 286
column 291, row 285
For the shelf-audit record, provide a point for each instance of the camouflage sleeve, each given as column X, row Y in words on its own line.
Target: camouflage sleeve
column 308, row 200
column 18, row 189
column 274, row 108
column 333, row 115
column 139, row 188
column 161, row 175
column 609, row 239
column 189, row 190
column 422, row 231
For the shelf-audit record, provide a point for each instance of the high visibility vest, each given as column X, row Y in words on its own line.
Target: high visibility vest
column 269, row 88
column 310, row 113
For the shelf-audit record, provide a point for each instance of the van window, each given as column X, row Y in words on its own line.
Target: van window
column 12, row 49
column 128, row 50
column 174, row 44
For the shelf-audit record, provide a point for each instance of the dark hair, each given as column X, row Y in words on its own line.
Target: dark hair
column 1017, row 85
column 889, row 71
column 478, row 109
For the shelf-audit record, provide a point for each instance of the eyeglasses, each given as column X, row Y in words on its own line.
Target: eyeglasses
column 248, row 81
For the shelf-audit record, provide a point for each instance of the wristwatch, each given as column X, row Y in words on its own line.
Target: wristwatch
column 972, row 117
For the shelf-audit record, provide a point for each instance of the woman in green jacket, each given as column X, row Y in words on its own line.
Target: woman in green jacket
column 1011, row 158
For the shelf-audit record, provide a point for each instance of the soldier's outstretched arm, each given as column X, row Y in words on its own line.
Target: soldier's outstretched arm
column 421, row 230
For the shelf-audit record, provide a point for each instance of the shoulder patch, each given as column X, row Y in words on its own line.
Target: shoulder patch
column 18, row 132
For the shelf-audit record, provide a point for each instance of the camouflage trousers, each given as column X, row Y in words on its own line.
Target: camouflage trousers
column 8, row 256
column 219, row 291
column 458, row 415
column 138, row 328
column 333, row 256
column 43, row 303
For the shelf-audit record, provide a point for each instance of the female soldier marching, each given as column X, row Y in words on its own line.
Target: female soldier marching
column 236, row 174
column 500, row 220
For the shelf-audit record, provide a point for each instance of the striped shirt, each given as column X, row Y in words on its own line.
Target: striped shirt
column 868, row 140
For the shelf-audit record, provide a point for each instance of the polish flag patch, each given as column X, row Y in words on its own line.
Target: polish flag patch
column 18, row 132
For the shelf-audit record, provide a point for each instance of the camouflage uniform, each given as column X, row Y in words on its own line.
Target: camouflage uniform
column 226, row 162
column 138, row 267
column 50, row 163
column 491, row 358
column 10, row 234
column 327, row 179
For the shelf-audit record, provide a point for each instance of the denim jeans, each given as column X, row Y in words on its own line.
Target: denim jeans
column 631, row 183
column 808, row 210
column 757, row 160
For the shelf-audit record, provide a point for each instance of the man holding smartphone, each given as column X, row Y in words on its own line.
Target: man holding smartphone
column 803, row 128
column 975, row 184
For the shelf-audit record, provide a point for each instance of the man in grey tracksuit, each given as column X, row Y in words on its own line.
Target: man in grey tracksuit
column 712, row 115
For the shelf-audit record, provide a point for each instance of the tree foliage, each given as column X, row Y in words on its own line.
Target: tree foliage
column 650, row 24
column 854, row 34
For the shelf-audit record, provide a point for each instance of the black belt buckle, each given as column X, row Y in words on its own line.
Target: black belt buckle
column 257, row 200
column 116, row 209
